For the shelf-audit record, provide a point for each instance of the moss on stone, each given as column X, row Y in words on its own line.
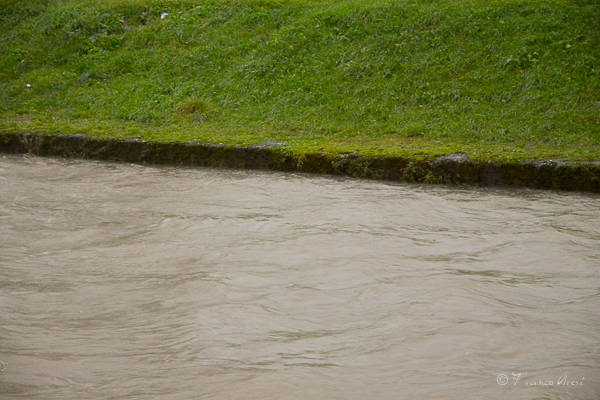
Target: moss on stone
column 453, row 169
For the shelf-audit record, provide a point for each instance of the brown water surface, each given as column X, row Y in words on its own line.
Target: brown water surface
column 128, row 282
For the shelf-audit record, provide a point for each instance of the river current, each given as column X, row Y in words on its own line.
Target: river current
column 122, row 281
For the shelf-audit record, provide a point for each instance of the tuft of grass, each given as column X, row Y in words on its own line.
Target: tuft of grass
column 414, row 130
column 198, row 109
column 493, row 78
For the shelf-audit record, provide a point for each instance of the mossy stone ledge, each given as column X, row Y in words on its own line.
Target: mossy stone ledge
column 450, row 169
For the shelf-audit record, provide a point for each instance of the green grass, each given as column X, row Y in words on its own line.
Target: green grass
column 498, row 79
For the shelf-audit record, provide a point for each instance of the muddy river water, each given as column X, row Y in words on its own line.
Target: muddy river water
column 128, row 282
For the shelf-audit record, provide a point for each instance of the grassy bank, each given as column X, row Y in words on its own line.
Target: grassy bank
column 498, row 79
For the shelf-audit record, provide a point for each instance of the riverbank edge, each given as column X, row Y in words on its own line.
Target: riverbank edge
column 456, row 169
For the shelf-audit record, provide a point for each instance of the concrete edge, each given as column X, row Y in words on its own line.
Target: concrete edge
column 451, row 169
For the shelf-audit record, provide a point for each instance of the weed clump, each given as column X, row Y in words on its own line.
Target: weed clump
column 196, row 109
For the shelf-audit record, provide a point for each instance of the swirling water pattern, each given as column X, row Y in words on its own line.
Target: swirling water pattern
column 128, row 282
